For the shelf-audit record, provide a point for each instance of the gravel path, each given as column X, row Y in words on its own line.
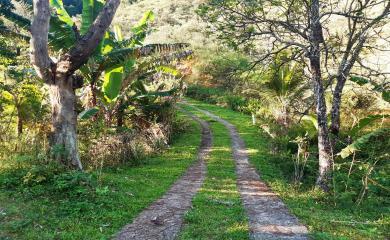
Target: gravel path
column 269, row 218
column 164, row 218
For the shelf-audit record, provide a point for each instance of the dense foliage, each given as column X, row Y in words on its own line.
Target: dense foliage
column 311, row 101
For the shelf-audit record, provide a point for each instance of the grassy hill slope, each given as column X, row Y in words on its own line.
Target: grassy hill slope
column 176, row 21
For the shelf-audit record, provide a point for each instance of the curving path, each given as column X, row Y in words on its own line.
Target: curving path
column 268, row 217
column 163, row 219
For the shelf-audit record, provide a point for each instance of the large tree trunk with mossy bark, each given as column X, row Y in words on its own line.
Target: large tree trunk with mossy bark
column 325, row 158
column 64, row 122
column 60, row 75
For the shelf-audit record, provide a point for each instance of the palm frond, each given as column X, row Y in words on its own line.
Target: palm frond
column 16, row 18
column 9, row 33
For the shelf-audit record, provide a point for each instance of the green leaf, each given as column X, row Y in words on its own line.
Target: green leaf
column 146, row 18
column 311, row 119
column 118, row 33
column 169, row 70
column 112, row 83
column 386, row 96
column 129, row 66
column 140, row 29
column 61, row 34
column 91, row 9
column 359, row 80
column 88, row 113
column 117, row 58
column 365, row 122
column 61, row 13
column 360, row 142
column 107, row 44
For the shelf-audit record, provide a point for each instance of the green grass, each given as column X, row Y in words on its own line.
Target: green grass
column 120, row 195
column 325, row 219
column 217, row 211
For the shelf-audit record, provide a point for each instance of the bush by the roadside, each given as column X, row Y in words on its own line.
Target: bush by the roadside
column 220, row 97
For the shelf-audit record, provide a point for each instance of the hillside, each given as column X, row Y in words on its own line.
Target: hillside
column 175, row 21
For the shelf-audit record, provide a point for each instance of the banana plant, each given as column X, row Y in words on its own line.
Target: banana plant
column 383, row 89
column 121, row 61
column 115, row 57
column 362, row 141
column 282, row 86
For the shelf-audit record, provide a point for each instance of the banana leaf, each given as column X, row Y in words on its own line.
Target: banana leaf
column 362, row 141
column 91, row 9
column 112, row 83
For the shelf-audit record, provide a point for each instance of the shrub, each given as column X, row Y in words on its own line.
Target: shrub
column 236, row 103
column 52, row 178
column 226, row 69
column 206, row 94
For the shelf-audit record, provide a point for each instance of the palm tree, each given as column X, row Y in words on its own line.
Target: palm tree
column 282, row 86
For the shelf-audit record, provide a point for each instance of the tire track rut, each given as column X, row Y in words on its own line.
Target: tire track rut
column 269, row 218
column 164, row 218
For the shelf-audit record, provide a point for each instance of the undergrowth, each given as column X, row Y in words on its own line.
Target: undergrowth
column 47, row 202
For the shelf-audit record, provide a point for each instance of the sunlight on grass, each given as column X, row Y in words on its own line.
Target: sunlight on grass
column 252, row 151
column 121, row 194
column 314, row 208
column 217, row 211
column 238, row 228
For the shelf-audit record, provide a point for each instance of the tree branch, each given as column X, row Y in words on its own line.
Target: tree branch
column 85, row 47
column 39, row 41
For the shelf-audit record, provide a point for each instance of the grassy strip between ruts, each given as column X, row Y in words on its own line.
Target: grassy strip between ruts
column 217, row 211
column 122, row 193
column 324, row 219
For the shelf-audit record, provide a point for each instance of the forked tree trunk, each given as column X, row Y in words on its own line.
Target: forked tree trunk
column 64, row 121
column 59, row 75
column 344, row 71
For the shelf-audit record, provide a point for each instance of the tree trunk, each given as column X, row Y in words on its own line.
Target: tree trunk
column 94, row 79
column 336, row 104
column 59, row 75
column 20, row 125
column 120, row 114
column 64, row 120
column 324, row 147
column 93, row 92
column 19, row 128
column 93, row 102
